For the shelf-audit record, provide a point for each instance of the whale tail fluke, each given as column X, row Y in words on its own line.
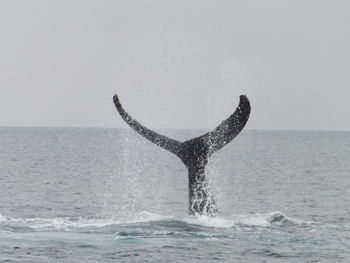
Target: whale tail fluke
column 211, row 141
column 195, row 153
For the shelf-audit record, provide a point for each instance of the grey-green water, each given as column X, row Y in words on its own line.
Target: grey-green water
column 106, row 195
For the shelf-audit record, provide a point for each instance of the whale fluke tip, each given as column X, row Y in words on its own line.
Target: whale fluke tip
column 243, row 100
column 116, row 100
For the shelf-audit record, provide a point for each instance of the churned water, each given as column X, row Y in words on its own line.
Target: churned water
column 107, row 195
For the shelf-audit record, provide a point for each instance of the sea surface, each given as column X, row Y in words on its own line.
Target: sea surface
column 108, row 195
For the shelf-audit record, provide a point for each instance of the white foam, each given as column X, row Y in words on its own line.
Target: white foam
column 256, row 220
column 69, row 224
column 3, row 218
column 145, row 217
column 56, row 223
column 207, row 221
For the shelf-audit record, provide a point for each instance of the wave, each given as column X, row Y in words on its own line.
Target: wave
column 59, row 223
column 147, row 219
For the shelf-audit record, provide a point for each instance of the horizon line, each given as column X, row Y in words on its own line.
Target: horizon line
column 125, row 128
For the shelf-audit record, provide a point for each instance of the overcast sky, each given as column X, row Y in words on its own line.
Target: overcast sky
column 175, row 64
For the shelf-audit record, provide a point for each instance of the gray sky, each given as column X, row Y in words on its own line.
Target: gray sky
column 175, row 64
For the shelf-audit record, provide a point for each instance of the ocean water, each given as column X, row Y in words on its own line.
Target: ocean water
column 108, row 195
